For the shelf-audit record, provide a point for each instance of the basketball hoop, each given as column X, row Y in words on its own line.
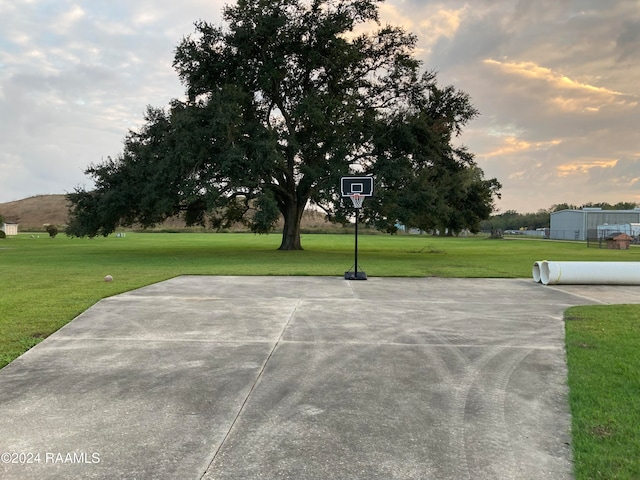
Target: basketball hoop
column 357, row 200
column 356, row 188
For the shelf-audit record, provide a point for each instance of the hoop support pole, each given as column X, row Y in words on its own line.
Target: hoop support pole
column 355, row 275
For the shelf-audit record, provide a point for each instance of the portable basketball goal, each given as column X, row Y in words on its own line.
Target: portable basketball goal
column 356, row 188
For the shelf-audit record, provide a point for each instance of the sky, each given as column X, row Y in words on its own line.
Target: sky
column 556, row 83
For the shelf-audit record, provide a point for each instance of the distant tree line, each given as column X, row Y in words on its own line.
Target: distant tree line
column 512, row 220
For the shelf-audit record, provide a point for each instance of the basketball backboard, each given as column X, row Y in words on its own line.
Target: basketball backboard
column 356, row 185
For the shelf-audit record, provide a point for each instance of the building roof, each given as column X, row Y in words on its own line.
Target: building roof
column 599, row 210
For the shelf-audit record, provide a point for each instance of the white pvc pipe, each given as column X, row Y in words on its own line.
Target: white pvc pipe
column 535, row 271
column 589, row 273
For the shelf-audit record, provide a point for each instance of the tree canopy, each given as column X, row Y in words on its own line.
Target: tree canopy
column 280, row 102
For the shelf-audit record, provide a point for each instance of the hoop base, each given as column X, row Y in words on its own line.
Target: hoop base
column 355, row 276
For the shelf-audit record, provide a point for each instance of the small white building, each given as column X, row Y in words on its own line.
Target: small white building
column 578, row 224
column 10, row 228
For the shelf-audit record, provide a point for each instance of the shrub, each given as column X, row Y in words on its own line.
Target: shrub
column 52, row 230
column 2, row 234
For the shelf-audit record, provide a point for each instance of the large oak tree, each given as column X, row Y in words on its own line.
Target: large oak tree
column 280, row 102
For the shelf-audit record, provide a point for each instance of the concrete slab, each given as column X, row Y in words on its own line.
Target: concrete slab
column 300, row 378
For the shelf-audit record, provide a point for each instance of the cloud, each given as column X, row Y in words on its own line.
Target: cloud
column 67, row 19
column 513, row 145
column 582, row 167
column 435, row 22
column 554, row 82
column 75, row 77
column 564, row 94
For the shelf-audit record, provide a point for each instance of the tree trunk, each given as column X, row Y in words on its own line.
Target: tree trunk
column 291, row 232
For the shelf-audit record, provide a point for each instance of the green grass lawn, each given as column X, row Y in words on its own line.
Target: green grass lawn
column 48, row 282
column 604, row 382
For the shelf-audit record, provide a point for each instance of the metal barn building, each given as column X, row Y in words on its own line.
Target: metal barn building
column 576, row 224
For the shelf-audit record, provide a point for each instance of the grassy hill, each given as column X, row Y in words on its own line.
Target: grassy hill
column 33, row 212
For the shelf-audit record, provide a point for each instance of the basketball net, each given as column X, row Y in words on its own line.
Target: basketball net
column 357, row 200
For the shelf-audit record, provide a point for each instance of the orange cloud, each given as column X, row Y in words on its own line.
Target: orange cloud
column 581, row 168
column 532, row 70
column 567, row 94
column 511, row 145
